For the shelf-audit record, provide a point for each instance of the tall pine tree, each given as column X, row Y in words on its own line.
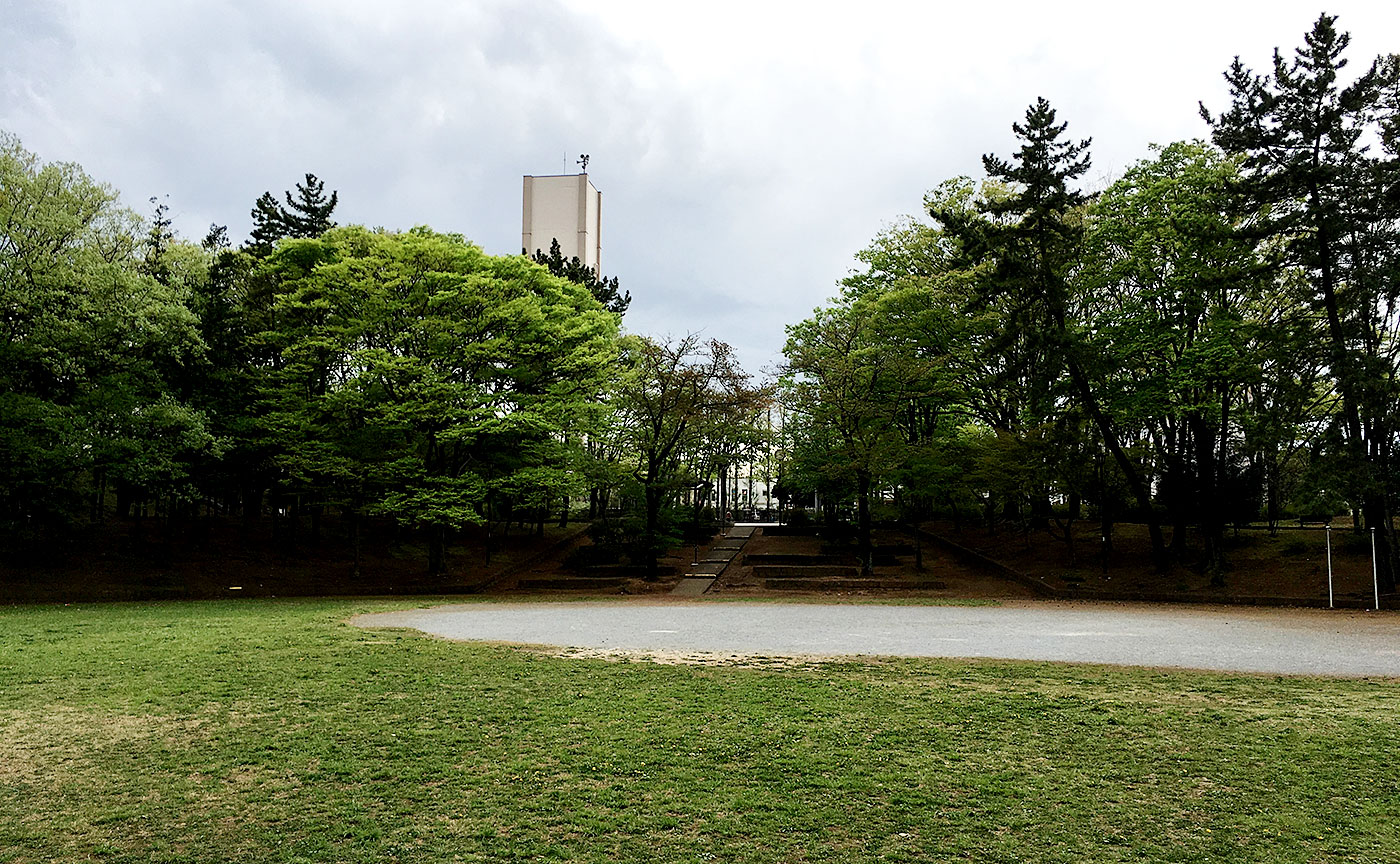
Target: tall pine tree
column 603, row 289
column 308, row 214
column 1311, row 182
column 1030, row 240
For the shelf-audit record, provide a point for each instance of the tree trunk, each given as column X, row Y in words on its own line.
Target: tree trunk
column 1208, row 501
column 653, row 524
column 355, row 543
column 252, row 508
column 99, row 499
column 1373, row 507
column 1377, row 516
column 1040, row 510
column 723, row 494
column 1271, row 489
column 863, row 521
column 1136, row 483
column 437, row 550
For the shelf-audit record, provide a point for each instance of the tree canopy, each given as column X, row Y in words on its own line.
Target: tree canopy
column 1213, row 337
column 306, row 215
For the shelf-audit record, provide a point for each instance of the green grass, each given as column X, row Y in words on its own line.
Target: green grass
column 272, row 731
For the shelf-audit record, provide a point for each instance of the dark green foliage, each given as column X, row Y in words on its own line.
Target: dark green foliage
column 1213, row 338
column 603, row 289
column 306, row 215
column 1028, row 242
column 309, row 213
column 268, row 225
column 677, row 405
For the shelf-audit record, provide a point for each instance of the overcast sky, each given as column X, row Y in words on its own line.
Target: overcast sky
column 745, row 150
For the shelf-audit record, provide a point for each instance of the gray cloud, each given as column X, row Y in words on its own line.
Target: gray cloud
column 744, row 155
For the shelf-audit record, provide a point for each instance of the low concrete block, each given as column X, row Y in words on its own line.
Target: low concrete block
column 756, row 559
column 852, row 584
column 816, row 571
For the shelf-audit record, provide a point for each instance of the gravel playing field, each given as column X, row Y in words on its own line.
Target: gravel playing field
column 1280, row 641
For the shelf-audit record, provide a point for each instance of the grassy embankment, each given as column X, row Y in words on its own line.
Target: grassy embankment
column 273, row 731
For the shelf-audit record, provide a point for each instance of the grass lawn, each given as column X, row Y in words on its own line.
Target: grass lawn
column 258, row 731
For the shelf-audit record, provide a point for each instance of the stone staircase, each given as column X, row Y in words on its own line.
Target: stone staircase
column 703, row 573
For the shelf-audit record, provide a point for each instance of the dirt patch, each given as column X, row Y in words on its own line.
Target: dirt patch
column 1289, row 564
column 36, row 744
column 687, row 658
column 549, row 571
column 221, row 557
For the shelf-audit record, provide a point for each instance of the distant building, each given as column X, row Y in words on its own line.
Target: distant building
column 565, row 207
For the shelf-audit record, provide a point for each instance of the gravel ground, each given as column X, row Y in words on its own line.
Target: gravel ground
column 1275, row 641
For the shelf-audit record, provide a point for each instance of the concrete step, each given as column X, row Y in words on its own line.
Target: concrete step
column 692, row 587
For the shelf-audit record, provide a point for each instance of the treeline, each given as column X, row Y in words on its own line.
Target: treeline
column 1211, row 340
column 326, row 370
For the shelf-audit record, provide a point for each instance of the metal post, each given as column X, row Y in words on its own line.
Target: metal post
column 1375, row 575
column 1329, row 567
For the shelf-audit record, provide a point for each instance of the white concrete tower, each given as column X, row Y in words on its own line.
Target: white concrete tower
column 568, row 208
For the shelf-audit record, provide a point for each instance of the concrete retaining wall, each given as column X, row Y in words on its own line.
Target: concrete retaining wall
column 829, row 571
column 852, row 584
column 793, row 559
column 571, row 583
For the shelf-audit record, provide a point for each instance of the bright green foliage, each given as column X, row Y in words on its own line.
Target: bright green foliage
column 88, row 346
column 901, row 377
column 420, row 378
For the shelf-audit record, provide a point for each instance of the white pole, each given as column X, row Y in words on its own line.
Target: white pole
column 1329, row 567
column 1375, row 576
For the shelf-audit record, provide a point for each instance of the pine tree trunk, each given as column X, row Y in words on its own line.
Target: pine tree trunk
column 863, row 522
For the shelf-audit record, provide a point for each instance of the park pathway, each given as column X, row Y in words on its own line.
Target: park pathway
column 703, row 573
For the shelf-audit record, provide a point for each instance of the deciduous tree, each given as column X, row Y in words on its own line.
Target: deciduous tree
column 671, row 399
